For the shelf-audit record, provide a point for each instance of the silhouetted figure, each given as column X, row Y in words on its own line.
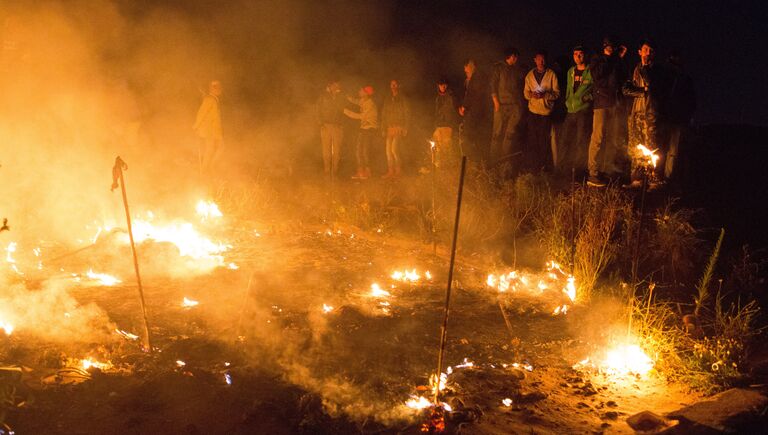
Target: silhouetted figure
column 446, row 114
column 541, row 91
column 473, row 111
column 208, row 128
column 507, row 82
column 395, row 118
column 677, row 109
column 607, row 76
column 572, row 149
column 369, row 122
column 330, row 109
column 646, row 89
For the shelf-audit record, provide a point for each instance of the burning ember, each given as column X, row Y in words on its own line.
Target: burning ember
column 103, row 278
column 563, row 309
column 189, row 303
column 649, row 155
column 536, row 284
column 410, row 276
column 327, row 308
column 507, row 402
column 88, row 363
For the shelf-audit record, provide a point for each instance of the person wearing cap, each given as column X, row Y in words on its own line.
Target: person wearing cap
column 369, row 122
column 446, row 114
column 208, row 127
column 330, row 108
column 607, row 77
column 646, row 90
column 507, row 82
column 578, row 120
column 541, row 90
column 395, row 116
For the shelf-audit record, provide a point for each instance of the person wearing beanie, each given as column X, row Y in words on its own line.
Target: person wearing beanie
column 446, row 117
column 369, row 123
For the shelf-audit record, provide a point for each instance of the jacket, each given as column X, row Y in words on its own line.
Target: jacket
column 330, row 108
column 475, row 101
column 607, row 78
column 368, row 115
column 507, row 83
column 582, row 98
column 550, row 88
column 645, row 77
column 208, row 120
column 395, row 112
column 445, row 110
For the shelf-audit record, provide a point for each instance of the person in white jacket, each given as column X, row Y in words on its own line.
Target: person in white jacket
column 541, row 90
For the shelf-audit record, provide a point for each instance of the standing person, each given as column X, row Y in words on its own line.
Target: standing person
column 646, row 89
column 208, row 128
column 676, row 110
column 507, row 82
column 607, row 77
column 473, row 111
column 330, row 108
column 445, row 119
column 395, row 116
column 541, row 90
column 578, row 120
column 369, row 122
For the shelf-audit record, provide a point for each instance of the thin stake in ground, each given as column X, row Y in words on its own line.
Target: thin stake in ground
column 444, row 328
column 117, row 179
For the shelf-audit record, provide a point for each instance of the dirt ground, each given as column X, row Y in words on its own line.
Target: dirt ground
column 259, row 354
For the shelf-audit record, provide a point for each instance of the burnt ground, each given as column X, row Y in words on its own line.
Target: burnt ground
column 296, row 369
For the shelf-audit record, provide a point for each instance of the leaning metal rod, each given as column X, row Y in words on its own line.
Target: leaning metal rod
column 117, row 174
column 434, row 217
column 636, row 254
column 444, row 328
column 573, row 220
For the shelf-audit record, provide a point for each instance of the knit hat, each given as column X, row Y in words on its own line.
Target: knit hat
column 368, row 90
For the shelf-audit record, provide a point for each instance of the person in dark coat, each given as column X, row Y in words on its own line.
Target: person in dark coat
column 446, row 119
column 473, row 112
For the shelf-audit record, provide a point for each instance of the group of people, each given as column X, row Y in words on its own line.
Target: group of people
column 602, row 99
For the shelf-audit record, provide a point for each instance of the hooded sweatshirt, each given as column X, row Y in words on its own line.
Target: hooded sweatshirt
column 368, row 115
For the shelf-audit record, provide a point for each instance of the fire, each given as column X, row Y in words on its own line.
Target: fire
column 207, row 210
column 378, row 292
column 650, row 155
column 410, row 276
column 10, row 249
column 327, row 308
column 507, row 402
column 88, row 363
column 189, row 303
column 126, row 334
column 570, row 288
column 103, row 278
column 553, row 278
column 182, row 234
column 418, row 402
column 563, row 309
column 621, row 360
column 6, row 327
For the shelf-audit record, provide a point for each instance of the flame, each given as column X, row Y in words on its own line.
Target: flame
column 507, row 402
column 103, row 278
column 570, row 288
column 411, row 276
column 563, row 309
column 378, row 292
column 88, row 363
column 10, row 249
column 418, row 402
column 180, row 363
column 189, row 303
column 208, row 209
column 627, row 359
column 432, row 144
column 650, row 155
column 182, row 234
column 327, row 308
column 553, row 278
column 6, row 326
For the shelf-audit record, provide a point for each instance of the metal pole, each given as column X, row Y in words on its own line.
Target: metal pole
column 117, row 174
column 444, row 328
column 573, row 220
column 636, row 254
column 434, row 217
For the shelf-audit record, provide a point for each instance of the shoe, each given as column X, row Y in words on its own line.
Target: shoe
column 635, row 184
column 593, row 181
column 359, row 175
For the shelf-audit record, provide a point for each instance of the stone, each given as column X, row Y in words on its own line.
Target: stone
column 610, row 415
column 647, row 421
column 734, row 410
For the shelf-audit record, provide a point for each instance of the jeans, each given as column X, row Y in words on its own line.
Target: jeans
column 603, row 145
column 331, row 136
column 506, row 131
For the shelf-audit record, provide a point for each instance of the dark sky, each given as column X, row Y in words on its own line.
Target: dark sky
column 722, row 42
